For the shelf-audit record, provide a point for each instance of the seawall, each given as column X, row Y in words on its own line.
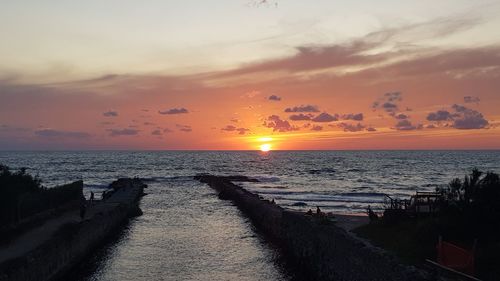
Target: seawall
column 318, row 249
column 53, row 258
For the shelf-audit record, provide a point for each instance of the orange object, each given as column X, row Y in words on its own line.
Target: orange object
column 456, row 258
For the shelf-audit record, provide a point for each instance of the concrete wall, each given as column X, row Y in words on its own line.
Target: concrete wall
column 74, row 241
column 319, row 251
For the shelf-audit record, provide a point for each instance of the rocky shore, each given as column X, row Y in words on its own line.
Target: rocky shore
column 317, row 248
column 50, row 250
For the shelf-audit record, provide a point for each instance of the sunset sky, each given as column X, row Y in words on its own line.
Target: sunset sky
column 237, row 74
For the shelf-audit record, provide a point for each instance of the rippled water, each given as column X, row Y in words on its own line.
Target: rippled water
column 187, row 233
column 340, row 181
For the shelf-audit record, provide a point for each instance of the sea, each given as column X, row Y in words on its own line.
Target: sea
column 187, row 233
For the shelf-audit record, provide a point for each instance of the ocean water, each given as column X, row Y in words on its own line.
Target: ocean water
column 187, row 233
column 338, row 181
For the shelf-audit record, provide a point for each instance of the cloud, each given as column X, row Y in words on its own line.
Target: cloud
column 301, row 117
column 277, row 124
column 463, row 118
column 149, row 124
column 156, row 132
column 167, row 130
column 389, row 106
column 440, row 115
column 401, row 116
column 325, row 117
column 316, row 128
column 406, row 125
column 470, row 99
column 347, row 127
column 352, row 116
column 393, row 96
column 51, row 133
column 274, row 98
column 110, row 113
column 467, row 118
column 234, row 120
column 371, row 129
column 302, row 108
column 184, row 128
column 123, row 132
column 171, row 111
column 231, row 128
column 389, row 102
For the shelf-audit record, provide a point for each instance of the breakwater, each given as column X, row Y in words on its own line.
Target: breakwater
column 318, row 249
column 61, row 243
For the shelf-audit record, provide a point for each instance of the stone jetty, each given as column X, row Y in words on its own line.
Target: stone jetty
column 51, row 249
column 317, row 248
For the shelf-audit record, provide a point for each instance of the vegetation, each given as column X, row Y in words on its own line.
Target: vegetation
column 469, row 209
column 23, row 195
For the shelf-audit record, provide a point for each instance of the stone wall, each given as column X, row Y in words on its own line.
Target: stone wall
column 318, row 249
column 74, row 241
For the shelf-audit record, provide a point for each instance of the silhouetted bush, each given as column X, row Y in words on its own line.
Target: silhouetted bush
column 471, row 207
column 22, row 195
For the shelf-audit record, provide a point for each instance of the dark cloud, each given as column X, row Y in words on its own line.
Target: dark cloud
column 184, row 128
column 110, row 113
column 352, row 116
column 389, row 102
column 467, row 118
column 231, row 128
column 470, row 99
column 277, row 124
column 234, row 120
column 156, row 132
column 440, row 115
column 316, row 128
column 325, row 117
column 463, row 118
column 301, row 117
column 303, row 108
column 401, row 116
column 171, row 111
column 274, row 98
column 123, row 132
column 389, row 106
column 242, row 131
column 371, row 129
column 347, row 127
column 406, row 125
column 167, row 130
column 51, row 133
column 393, row 97
column 149, row 124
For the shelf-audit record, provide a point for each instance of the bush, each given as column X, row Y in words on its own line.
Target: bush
column 472, row 205
column 22, row 195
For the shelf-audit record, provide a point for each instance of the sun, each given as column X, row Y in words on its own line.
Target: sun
column 265, row 147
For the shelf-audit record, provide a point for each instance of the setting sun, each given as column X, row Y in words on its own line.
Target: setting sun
column 265, row 147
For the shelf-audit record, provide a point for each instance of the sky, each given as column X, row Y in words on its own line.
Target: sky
column 240, row 74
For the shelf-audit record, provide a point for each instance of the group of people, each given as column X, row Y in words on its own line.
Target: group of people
column 318, row 213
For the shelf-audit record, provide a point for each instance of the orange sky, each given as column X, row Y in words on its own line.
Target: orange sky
column 426, row 83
